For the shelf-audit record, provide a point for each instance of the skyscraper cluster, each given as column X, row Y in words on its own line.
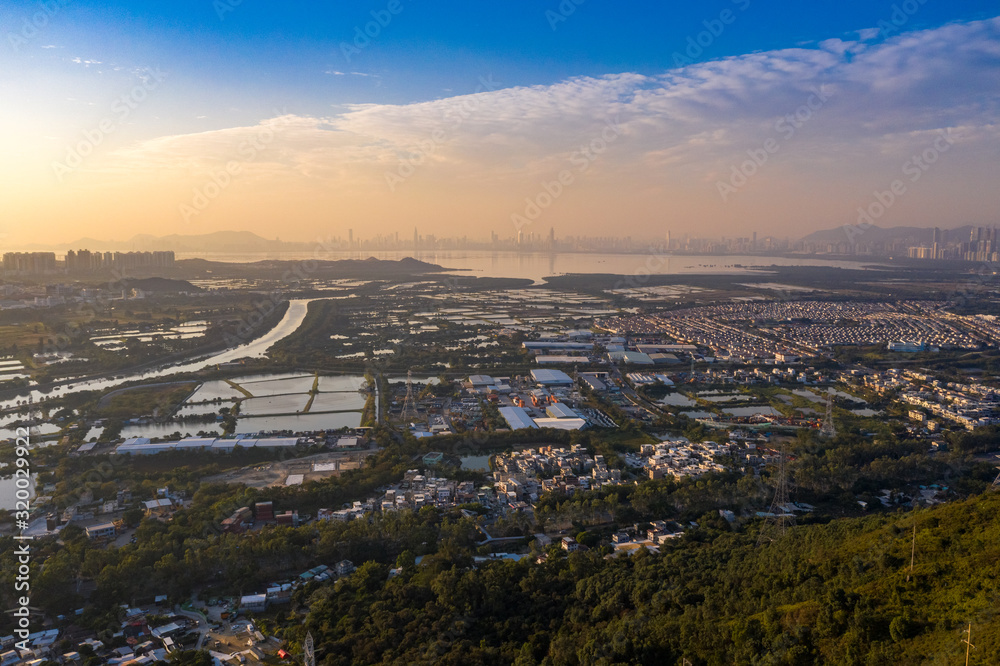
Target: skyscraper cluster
column 981, row 246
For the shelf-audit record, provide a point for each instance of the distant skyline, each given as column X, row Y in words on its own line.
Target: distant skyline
column 718, row 119
column 189, row 243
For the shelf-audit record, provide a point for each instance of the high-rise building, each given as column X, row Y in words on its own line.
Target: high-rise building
column 84, row 260
column 29, row 263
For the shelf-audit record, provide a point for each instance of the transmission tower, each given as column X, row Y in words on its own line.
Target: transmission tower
column 778, row 520
column 828, row 429
column 34, row 414
column 309, row 658
column 409, row 405
column 913, row 551
column 968, row 643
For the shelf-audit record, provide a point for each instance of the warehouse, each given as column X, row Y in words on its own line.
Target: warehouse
column 543, row 345
column 631, row 357
column 558, row 410
column 551, row 378
column 594, row 382
column 517, row 418
column 561, row 424
column 546, row 359
column 142, row 445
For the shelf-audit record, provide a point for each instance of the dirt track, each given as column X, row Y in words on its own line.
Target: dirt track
column 266, row 474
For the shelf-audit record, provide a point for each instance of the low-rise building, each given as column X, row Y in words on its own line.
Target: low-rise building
column 254, row 603
column 102, row 531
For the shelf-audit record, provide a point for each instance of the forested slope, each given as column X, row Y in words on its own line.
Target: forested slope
column 832, row 594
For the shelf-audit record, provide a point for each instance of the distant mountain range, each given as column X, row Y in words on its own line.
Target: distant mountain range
column 217, row 242
column 875, row 234
column 247, row 242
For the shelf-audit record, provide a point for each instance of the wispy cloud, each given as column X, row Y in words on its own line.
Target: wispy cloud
column 680, row 126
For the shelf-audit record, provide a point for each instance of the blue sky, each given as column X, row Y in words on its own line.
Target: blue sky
column 254, row 55
column 555, row 73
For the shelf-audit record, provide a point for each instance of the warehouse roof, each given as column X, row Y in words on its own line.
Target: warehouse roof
column 517, row 418
column 543, row 376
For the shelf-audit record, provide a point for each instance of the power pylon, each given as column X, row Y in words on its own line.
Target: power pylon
column 828, row 429
column 778, row 520
column 309, row 657
column 913, row 552
column 409, row 405
column 968, row 643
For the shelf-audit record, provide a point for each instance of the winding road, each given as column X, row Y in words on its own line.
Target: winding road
column 201, row 623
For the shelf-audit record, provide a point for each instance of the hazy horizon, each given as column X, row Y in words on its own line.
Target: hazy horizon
column 86, row 242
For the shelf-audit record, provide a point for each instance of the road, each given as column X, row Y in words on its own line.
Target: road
column 634, row 397
column 201, row 623
column 493, row 539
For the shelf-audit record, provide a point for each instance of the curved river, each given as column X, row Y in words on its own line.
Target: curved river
column 293, row 318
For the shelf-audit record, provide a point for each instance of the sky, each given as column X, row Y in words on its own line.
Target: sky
column 712, row 119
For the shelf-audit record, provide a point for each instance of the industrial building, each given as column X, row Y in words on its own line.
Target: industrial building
column 143, row 446
column 517, row 418
column 554, row 345
column 544, row 377
column 559, row 416
column 595, row 381
column 630, row 357
column 549, row 359
column 560, row 411
column 562, row 423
